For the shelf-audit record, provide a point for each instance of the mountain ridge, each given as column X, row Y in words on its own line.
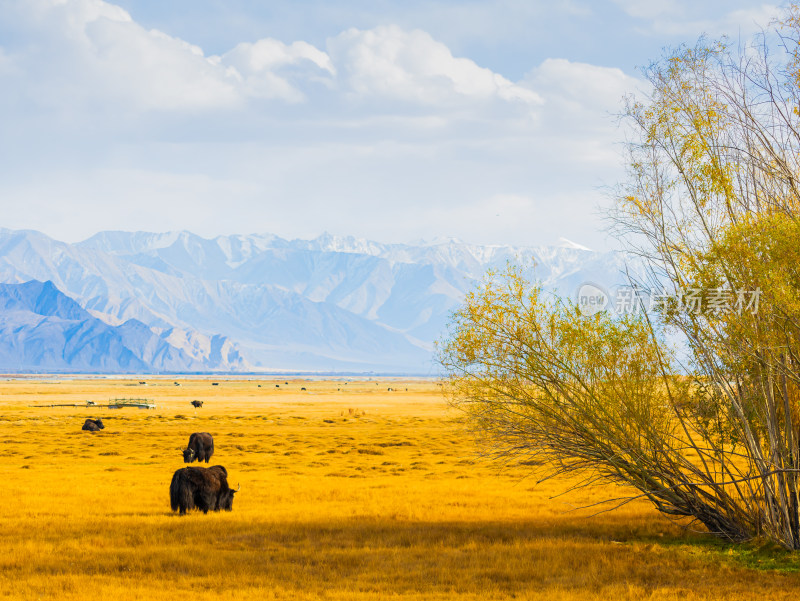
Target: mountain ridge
column 43, row 329
column 332, row 303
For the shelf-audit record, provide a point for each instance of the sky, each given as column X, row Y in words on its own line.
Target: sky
column 493, row 122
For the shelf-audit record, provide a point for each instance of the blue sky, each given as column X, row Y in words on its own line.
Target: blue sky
column 396, row 121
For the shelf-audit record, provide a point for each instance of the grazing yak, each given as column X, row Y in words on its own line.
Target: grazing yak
column 203, row 488
column 93, row 425
column 201, row 448
column 197, row 404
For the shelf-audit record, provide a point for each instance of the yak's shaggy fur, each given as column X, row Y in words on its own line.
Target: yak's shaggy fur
column 93, row 425
column 201, row 488
column 201, row 448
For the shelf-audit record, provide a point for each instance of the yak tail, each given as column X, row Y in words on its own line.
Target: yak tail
column 180, row 495
column 174, row 490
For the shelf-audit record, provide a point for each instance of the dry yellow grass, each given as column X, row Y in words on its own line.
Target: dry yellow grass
column 355, row 493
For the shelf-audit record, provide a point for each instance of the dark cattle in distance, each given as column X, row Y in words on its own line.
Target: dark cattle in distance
column 215, row 383
column 201, row 448
column 197, row 404
column 205, row 489
column 93, row 425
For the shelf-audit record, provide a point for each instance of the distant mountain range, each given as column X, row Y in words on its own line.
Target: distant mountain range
column 43, row 329
column 177, row 302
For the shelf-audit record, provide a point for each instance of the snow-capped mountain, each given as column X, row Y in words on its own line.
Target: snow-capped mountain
column 43, row 329
column 262, row 302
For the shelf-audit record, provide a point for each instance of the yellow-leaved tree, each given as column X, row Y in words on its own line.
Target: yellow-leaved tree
column 712, row 207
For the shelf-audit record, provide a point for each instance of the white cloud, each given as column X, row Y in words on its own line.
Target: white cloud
column 744, row 21
column 580, row 96
column 589, row 84
column 151, row 70
column 96, row 55
column 411, row 66
column 268, row 65
column 79, row 13
column 90, row 53
column 649, row 9
column 690, row 20
column 269, row 54
column 575, row 9
column 383, row 133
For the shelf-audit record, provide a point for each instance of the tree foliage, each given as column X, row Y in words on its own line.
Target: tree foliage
column 711, row 202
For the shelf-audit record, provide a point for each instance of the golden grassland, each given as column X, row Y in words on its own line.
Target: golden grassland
column 348, row 491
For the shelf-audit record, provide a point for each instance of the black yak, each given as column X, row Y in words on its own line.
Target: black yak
column 197, row 404
column 202, row 488
column 93, row 425
column 201, row 448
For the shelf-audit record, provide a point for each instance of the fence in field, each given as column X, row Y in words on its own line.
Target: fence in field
column 140, row 403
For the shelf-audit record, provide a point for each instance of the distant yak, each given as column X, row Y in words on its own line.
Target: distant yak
column 197, row 404
column 93, row 425
column 205, row 489
column 201, row 448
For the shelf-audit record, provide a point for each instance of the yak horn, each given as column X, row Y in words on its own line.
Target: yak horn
column 240, row 487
